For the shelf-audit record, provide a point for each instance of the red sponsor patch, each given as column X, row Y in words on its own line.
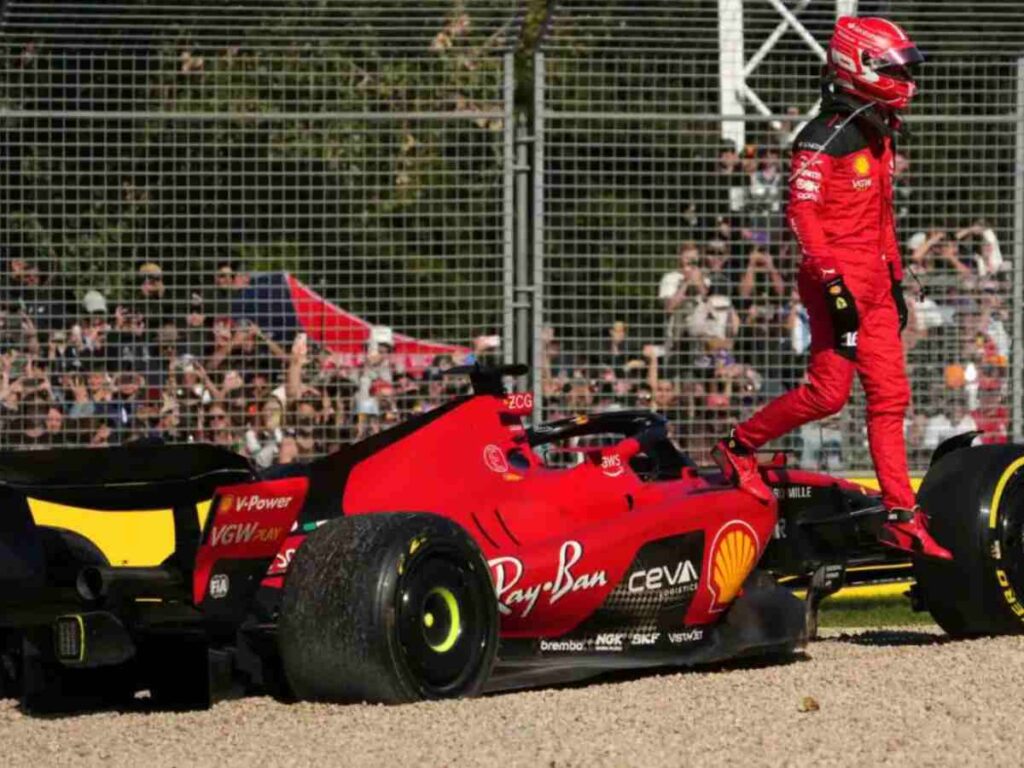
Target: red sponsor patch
column 518, row 403
column 612, row 465
column 250, row 521
column 284, row 556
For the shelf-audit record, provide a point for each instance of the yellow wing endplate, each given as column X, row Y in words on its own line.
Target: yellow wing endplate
column 137, row 538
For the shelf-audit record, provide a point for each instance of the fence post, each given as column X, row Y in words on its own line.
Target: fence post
column 1018, row 265
column 730, row 69
column 538, row 229
column 523, row 297
column 846, row 8
column 509, row 204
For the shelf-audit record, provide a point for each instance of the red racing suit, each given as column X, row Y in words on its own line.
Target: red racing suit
column 840, row 209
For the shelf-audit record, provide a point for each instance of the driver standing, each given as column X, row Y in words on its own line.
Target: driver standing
column 841, row 212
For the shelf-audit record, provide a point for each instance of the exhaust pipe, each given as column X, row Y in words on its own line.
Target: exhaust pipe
column 89, row 640
column 97, row 582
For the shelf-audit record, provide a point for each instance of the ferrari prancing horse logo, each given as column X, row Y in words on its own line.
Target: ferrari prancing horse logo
column 494, row 459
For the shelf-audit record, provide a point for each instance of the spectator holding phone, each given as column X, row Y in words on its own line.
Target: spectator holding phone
column 154, row 302
column 680, row 292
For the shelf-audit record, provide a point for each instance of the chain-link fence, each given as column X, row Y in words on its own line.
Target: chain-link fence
column 666, row 269
column 262, row 224
column 270, row 224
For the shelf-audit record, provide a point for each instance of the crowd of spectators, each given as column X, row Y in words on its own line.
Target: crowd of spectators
column 177, row 366
column 735, row 333
column 172, row 363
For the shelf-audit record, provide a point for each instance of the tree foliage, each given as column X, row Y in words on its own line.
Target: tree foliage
column 360, row 149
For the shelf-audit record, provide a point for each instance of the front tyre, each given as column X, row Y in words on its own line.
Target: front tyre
column 975, row 498
column 388, row 608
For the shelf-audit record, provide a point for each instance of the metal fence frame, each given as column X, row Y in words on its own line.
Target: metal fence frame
column 1018, row 273
column 521, row 242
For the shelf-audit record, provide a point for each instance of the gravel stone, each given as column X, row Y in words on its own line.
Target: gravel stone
column 884, row 698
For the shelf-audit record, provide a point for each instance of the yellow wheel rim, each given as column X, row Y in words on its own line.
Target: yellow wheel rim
column 455, row 620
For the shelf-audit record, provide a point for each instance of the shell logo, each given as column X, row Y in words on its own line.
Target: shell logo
column 734, row 554
column 226, row 505
column 861, row 165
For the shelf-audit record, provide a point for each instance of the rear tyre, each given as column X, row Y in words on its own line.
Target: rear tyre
column 975, row 498
column 388, row 608
column 65, row 553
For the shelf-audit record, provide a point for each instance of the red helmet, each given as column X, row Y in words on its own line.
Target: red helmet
column 874, row 59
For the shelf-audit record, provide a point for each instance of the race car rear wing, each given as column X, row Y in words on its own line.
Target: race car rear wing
column 131, row 477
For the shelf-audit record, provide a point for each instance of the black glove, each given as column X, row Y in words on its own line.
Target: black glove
column 901, row 302
column 845, row 320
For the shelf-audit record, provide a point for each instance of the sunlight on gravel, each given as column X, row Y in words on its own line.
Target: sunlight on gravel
column 881, row 697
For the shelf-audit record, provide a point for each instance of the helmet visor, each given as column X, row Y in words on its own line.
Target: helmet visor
column 898, row 63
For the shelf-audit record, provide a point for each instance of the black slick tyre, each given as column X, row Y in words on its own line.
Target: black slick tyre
column 975, row 499
column 388, row 608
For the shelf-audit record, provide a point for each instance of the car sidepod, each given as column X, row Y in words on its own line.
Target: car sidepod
column 669, row 586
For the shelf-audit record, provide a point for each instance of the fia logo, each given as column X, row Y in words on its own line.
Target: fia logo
column 220, row 584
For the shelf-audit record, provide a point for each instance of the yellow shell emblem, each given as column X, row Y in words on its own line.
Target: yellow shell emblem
column 733, row 557
column 227, row 502
column 861, row 165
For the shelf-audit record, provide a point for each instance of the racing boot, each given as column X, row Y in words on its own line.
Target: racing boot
column 907, row 530
column 739, row 465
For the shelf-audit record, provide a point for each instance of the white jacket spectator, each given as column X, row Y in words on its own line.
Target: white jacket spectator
column 939, row 428
column 680, row 291
column 928, row 314
column 989, row 259
column 713, row 318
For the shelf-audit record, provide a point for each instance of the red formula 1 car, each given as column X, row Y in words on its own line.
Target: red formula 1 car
column 455, row 553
